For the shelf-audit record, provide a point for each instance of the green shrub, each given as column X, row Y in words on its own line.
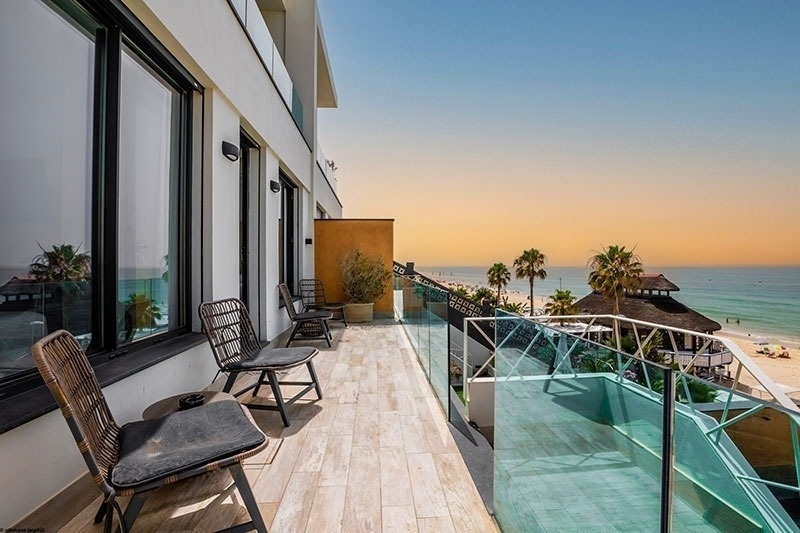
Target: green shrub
column 364, row 278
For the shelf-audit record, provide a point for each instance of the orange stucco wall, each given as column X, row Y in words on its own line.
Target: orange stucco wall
column 334, row 237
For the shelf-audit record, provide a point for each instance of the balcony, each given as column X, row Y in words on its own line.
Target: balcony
column 376, row 453
column 581, row 432
column 253, row 24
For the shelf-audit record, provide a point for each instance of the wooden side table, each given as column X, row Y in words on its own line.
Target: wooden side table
column 171, row 405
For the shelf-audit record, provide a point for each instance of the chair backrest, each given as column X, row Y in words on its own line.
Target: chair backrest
column 69, row 376
column 312, row 292
column 230, row 332
column 287, row 301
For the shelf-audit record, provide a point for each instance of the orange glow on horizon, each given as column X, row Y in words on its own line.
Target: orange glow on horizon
column 466, row 217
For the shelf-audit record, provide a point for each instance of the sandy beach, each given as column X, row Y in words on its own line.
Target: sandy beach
column 784, row 371
column 781, row 370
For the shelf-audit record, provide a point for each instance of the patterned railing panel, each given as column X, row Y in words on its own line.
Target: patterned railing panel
column 460, row 307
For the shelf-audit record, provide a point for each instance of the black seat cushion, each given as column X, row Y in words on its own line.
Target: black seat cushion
column 274, row 358
column 314, row 315
column 153, row 449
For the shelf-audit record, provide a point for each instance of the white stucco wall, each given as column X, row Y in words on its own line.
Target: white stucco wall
column 207, row 39
column 324, row 195
column 50, row 459
column 481, row 402
column 224, row 212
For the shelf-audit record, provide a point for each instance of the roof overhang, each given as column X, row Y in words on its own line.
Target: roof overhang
column 326, row 90
column 271, row 5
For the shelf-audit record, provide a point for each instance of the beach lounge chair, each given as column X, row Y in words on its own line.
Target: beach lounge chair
column 236, row 348
column 133, row 459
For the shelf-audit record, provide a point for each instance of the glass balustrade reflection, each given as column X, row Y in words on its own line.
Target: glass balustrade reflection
column 423, row 313
column 579, row 442
column 436, row 303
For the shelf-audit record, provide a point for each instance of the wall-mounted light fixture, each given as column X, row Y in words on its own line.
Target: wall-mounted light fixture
column 230, row 150
column 309, row 241
column 274, row 186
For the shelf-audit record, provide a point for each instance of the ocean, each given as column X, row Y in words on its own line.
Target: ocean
column 765, row 300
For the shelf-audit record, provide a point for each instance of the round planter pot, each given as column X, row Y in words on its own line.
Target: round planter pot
column 359, row 312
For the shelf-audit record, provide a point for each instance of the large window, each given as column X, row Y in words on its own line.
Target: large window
column 94, row 132
column 148, row 196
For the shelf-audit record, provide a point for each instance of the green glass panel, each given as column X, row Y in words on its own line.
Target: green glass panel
column 578, row 442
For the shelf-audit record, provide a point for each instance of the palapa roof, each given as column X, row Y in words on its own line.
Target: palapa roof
column 656, row 282
column 20, row 285
column 657, row 309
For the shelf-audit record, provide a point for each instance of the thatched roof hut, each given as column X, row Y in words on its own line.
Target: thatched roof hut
column 650, row 304
column 650, row 283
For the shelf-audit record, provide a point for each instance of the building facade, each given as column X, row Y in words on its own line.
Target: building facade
column 156, row 154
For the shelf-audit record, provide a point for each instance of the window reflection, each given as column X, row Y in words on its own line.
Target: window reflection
column 147, row 200
column 45, row 186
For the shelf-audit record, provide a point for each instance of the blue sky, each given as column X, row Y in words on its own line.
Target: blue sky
column 539, row 112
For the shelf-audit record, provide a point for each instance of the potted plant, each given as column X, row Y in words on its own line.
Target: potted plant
column 365, row 280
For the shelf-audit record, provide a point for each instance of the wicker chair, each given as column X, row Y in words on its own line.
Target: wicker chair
column 318, row 320
column 133, row 459
column 236, row 348
column 313, row 294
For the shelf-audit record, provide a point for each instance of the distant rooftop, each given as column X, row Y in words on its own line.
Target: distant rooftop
column 656, row 282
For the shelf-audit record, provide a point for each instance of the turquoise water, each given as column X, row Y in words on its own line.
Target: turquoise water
column 765, row 300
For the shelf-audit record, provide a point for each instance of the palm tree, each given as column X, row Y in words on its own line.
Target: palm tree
column 517, row 308
column 562, row 303
column 498, row 276
column 64, row 262
column 615, row 270
column 530, row 265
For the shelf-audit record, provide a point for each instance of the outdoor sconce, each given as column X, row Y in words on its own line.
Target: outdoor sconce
column 230, row 150
column 274, row 186
column 309, row 241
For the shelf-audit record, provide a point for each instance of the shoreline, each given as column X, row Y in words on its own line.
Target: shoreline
column 750, row 337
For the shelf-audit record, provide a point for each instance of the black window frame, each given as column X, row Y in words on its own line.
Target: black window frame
column 289, row 228
column 114, row 25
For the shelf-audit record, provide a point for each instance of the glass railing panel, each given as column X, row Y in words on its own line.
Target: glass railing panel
column 240, row 6
column 260, row 35
column 438, row 326
column 726, row 440
column 417, row 305
column 297, row 109
column 422, row 311
column 564, row 403
column 560, row 461
column 410, row 308
column 281, row 76
column 31, row 309
column 423, row 331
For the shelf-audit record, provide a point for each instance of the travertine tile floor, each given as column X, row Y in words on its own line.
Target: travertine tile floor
column 375, row 454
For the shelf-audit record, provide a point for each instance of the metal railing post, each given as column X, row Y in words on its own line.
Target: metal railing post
column 668, row 419
column 464, row 377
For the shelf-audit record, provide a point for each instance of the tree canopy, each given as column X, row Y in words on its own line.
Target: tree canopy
column 530, row 266
column 498, row 276
column 614, row 270
column 561, row 303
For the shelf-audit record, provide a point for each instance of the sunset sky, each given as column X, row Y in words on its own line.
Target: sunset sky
column 484, row 128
